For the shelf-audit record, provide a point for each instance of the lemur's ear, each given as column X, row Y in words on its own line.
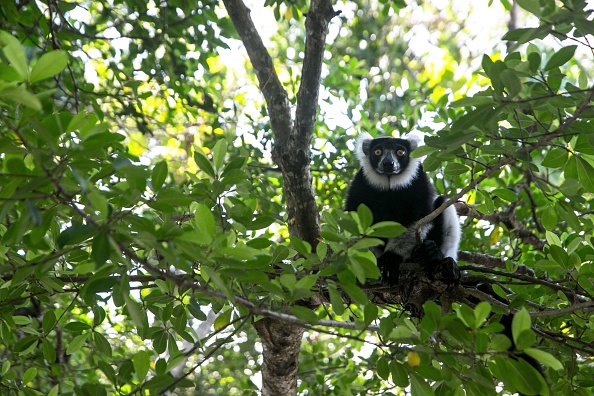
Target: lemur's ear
column 362, row 145
column 415, row 139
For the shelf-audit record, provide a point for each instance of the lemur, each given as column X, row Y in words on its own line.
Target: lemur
column 394, row 187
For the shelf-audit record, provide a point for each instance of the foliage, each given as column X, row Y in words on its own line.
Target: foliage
column 142, row 224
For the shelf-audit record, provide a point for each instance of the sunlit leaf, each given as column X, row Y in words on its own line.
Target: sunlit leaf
column 158, row 175
column 14, row 52
column 520, row 322
column 141, row 361
column 544, row 358
column 50, row 64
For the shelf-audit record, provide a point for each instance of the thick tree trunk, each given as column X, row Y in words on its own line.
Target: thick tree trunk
column 281, row 344
column 291, row 152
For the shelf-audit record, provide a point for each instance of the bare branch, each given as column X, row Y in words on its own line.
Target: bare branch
column 316, row 25
column 277, row 100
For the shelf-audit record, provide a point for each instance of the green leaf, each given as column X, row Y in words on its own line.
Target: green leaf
column 54, row 391
column 98, row 202
column 101, row 249
column 478, row 117
column 48, row 322
column 383, row 368
column 534, row 60
column 173, row 197
column 77, row 233
column 21, row 95
column 555, row 158
column 520, row 322
column 160, row 341
column 260, row 222
column 15, row 54
column 365, row 216
column 204, row 223
column 203, row 163
column 367, row 263
column 474, row 101
column 481, row 313
column 585, row 174
column 524, row 35
column 34, row 213
column 548, row 218
column 5, row 368
column 101, row 344
column 159, row 175
column 233, row 177
column 218, row 154
column 466, row 314
column 423, row 151
column 142, row 362
column 29, row 375
column 544, row 358
column 50, row 64
column 560, row 57
column 455, row 169
column 76, row 344
column 399, row 374
column 366, row 243
column 530, row 5
column 302, row 247
column 304, row 314
column 526, row 339
column 500, row 342
column 354, row 292
column 281, row 252
column 419, row 387
column 431, row 320
column 505, row 194
column 307, row 282
column 336, row 300
column 136, row 312
column 48, row 351
column 370, row 312
column 386, row 229
column 526, row 378
column 511, row 82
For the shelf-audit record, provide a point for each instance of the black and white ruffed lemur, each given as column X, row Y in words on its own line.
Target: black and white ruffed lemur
column 394, row 186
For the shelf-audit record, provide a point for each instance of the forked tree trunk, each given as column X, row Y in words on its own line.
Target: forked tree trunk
column 291, row 152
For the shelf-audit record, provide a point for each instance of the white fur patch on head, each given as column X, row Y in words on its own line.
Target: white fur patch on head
column 415, row 138
column 361, row 156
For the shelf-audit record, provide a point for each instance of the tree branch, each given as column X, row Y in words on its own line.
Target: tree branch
column 277, row 100
column 316, row 26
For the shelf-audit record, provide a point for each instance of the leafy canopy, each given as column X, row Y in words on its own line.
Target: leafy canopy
column 142, row 224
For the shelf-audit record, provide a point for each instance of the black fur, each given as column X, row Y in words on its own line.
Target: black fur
column 404, row 206
column 395, row 188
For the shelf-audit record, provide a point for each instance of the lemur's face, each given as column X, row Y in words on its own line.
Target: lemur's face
column 388, row 156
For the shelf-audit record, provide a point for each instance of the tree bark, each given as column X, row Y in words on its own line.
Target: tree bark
column 281, row 344
column 291, row 152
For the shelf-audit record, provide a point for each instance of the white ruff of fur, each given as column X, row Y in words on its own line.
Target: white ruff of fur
column 386, row 182
column 451, row 233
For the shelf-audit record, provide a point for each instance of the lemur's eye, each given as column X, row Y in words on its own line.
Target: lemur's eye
column 378, row 152
column 400, row 153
